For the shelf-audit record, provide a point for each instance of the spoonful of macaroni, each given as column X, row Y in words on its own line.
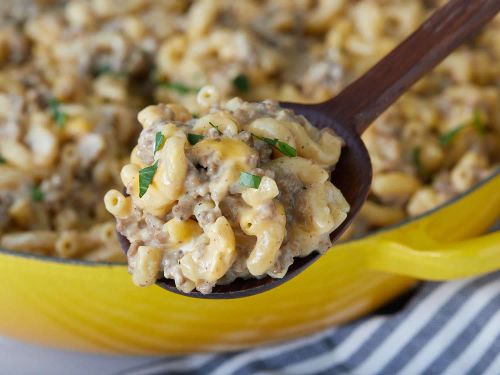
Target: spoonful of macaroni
column 244, row 196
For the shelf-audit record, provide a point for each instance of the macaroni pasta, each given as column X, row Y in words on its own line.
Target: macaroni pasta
column 196, row 185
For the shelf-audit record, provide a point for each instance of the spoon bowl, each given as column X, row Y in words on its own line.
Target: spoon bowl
column 355, row 188
column 349, row 113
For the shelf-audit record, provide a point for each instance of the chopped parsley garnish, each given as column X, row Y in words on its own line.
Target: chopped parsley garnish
column 108, row 70
column 159, row 141
column 416, row 156
column 179, row 88
column 215, row 127
column 478, row 122
column 241, row 83
column 195, row 115
column 281, row 146
column 146, row 177
column 59, row 116
column 2, row 160
column 250, row 180
column 37, row 194
column 194, row 138
column 102, row 70
column 446, row 138
column 285, row 148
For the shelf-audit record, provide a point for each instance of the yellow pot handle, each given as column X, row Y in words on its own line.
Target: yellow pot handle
column 444, row 262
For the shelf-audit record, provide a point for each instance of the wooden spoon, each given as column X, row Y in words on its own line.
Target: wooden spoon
column 356, row 107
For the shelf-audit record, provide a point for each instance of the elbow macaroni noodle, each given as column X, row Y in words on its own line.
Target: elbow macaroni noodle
column 195, row 204
column 68, row 119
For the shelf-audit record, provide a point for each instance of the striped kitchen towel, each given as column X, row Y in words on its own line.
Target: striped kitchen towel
column 445, row 328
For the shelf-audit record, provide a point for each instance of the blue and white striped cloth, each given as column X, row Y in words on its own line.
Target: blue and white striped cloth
column 446, row 328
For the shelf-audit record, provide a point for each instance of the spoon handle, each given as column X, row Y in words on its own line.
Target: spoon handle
column 365, row 99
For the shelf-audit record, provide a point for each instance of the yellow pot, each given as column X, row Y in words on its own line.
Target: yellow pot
column 94, row 307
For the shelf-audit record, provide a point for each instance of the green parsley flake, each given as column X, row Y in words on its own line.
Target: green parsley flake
column 478, row 122
column 215, row 127
column 194, row 138
column 446, row 138
column 285, row 149
column 146, row 177
column 416, row 156
column 2, row 160
column 250, row 180
column 241, row 83
column 37, row 194
column 102, row 70
column 59, row 116
column 281, row 146
column 179, row 88
column 159, row 141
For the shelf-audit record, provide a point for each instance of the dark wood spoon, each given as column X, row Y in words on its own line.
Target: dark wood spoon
column 356, row 107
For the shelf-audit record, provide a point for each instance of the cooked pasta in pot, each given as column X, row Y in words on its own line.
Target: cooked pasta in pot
column 74, row 74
